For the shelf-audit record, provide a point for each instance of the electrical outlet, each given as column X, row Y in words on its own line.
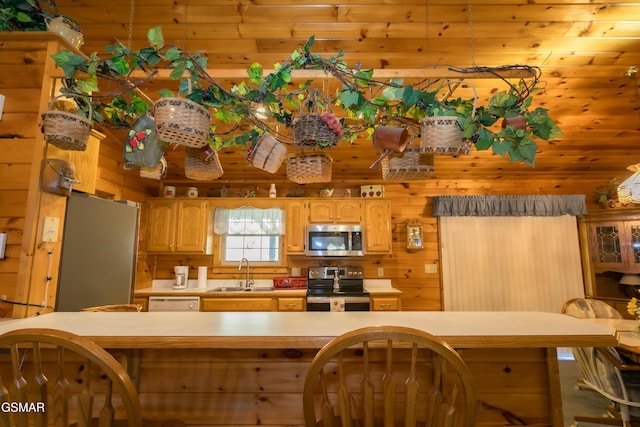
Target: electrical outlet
column 50, row 228
column 431, row 268
column 380, row 271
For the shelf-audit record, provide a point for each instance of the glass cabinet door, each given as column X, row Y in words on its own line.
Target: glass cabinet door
column 607, row 239
column 616, row 245
column 633, row 237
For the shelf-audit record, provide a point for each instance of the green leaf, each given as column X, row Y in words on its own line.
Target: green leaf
column 155, row 37
column 350, row 98
column 166, row 93
column 409, row 96
column 173, row 54
column 310, row 42
column 178, row 71
column 121, row 65
column 68, row 61
column 527, row 153
column 255, row 73
column 485, row 139
column 87, row 86
column 23, row 17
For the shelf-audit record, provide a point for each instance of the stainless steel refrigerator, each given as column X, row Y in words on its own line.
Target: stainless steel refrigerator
column 99, row 253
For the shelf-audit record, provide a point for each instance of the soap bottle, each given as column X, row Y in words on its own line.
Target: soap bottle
column 272, row 191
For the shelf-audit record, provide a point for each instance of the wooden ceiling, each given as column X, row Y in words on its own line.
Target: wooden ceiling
column 585, row 49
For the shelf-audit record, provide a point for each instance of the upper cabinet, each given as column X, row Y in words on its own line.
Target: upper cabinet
column 295, row 223
column 345, row 211
column 377, row 226
column 180, row 226
column 615, row 245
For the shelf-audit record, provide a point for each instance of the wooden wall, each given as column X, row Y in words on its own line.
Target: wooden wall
column 27, row 83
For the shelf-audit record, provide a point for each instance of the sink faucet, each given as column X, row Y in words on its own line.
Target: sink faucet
column 248, row 282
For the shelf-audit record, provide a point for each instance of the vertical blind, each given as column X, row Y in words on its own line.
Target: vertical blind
column 507, row 263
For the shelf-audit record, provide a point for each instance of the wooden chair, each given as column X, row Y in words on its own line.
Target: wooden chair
column 71, row 377
column 603, row 369
column 76, row 381
column 589, row 308
column 388, row 375
column 115, row 307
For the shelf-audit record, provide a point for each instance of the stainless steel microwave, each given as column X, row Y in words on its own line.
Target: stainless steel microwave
column 333, row 240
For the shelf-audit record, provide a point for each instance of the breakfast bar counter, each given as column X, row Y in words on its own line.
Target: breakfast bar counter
column 314, row 329
column 240, row 368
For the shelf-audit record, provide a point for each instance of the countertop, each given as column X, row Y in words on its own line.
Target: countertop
column 284, row 330
column 163, row 288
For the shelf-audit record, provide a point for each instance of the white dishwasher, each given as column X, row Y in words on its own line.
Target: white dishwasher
column 186, row 303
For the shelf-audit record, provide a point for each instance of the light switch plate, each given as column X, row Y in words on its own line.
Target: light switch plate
column 431, row 268
column 50, row 227
column 3, row 244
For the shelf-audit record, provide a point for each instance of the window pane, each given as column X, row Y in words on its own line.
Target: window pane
column 253, row 247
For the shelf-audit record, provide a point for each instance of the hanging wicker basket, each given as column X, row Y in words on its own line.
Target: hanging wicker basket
column 66, row 131
column 268, row 154
column 198, row 168
column 311, row 129
column 157, row 172
column 309, row 168
column 410, row 165
column 182, row 121
column 443, row 134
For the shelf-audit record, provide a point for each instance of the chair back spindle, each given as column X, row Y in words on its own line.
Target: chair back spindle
column 389, row 376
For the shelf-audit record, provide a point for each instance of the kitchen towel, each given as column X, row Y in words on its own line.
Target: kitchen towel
column 337, row 304
column 202, row 276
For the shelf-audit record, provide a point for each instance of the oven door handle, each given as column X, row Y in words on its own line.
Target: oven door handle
column 347, row 300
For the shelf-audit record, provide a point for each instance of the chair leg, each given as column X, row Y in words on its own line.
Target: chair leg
column 599, row 420
column 611, row 418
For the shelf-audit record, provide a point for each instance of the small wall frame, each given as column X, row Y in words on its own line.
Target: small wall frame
column 414, row 236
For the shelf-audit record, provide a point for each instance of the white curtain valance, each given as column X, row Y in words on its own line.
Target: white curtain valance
column 249, row 220
column 509, row 205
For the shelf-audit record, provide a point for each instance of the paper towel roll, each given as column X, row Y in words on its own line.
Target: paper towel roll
column 202, row 276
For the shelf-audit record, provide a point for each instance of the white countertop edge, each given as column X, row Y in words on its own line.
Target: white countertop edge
column 309, row 324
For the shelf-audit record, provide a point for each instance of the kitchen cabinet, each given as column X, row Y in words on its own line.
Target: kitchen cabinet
column 237, row 304
column 345, row 211
column 292, row 304
column 377, row 226
column 385, row 303
column 295, row 225
column 179, row 226
column 615, row 245
column 257, row 303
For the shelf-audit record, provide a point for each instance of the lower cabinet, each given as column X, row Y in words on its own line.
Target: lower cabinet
column 253, row 304
column 386, row 303
column 292, row 304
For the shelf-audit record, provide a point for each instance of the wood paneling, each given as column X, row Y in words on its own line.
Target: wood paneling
column 583, row 49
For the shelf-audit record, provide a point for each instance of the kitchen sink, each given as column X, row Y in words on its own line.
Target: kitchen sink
column 239, row 289
column 228, row 289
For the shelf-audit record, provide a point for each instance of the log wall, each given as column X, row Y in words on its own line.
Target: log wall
column 27, row 85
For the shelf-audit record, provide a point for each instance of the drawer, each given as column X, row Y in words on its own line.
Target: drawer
column 236, row 304
column 291, row 304
column 385, row 303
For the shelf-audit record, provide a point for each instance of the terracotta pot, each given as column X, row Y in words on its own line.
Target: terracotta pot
column 518, row 122
column 390, row 138
column 387, row 140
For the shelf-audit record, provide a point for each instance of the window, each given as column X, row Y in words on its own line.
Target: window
column 251, row 233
